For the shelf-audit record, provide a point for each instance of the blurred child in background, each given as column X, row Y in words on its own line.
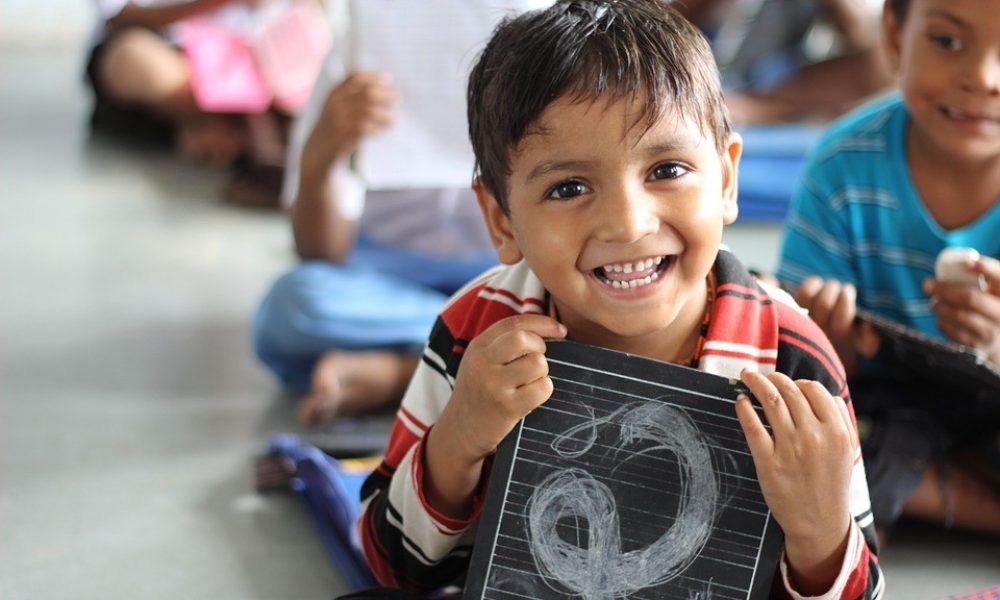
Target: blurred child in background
column 789, row 60
column 347, row 325
column 141, row 81
column 890, row 187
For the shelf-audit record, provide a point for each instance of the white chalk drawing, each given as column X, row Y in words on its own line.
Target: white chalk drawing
column 599, row 569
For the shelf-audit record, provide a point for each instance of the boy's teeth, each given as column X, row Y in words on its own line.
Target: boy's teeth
column 634, row 283
column 630, row 267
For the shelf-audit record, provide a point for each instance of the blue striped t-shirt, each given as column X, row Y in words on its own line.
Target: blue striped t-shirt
column 857, row 217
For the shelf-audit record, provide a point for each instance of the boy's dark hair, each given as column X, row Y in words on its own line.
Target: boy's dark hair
column 899, row 9
column 585, row 49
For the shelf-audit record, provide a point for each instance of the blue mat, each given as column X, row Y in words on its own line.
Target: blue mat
column 771, row 167
column 331, row 490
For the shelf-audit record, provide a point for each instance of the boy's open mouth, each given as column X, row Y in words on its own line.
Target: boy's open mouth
column 633, row 274
column 963, row 117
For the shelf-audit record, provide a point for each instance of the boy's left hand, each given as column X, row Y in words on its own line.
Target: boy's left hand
column 968, row 315
column 804, row 466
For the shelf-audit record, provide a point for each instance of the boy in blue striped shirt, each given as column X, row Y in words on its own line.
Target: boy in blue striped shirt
column 887, row 189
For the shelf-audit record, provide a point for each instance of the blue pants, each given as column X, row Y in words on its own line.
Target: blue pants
column 380, row 299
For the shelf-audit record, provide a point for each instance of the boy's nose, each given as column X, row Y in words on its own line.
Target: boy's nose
column 983, row 73
column 626, row 216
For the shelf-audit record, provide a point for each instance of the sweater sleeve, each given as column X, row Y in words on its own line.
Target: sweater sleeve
column 408, row 544
column 808, row 355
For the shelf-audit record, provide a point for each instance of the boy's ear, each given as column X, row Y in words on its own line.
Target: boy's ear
column 891, row 34
column 730, row 177
column 498, row 224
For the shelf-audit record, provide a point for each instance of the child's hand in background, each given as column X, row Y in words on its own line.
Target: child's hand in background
column 363, row 104
column 969, row 315
column 833, row 306
column 804, row 466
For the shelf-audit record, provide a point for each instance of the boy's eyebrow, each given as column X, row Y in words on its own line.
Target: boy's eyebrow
column 937, row 12
column 672, row 145
column 557, row 165
column 575, row 165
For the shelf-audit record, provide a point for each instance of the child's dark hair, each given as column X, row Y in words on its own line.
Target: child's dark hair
column 585, row 49
column 899, row 9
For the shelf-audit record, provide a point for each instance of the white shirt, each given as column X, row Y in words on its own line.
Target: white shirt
column 437, row 221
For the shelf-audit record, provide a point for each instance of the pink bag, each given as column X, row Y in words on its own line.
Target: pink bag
column 233, row 72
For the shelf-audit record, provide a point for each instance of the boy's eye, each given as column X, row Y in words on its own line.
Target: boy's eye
column 948, row 42
column 567, row 189
column 668, row 171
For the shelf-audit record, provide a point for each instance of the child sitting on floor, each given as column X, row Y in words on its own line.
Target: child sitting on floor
column 887, row 190
column 606, row 171
column 346, row 326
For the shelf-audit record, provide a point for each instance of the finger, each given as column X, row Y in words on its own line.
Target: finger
column 376, row 95
column 928, row 285
column 823, row 305
column 807, row 291
column 849, row 423
column 513, row 337
column 525, row 369
column 760, row 441
column 376, row 120
column 989, row 268
column 542, row 325
column 361, row 79
column 844, row 311
column 867, row 341
column 513, row 344
column 819, row 401
column 770, row 400
column 966, row 327
column 534, row 393
column 957, row 294
column 791, row 394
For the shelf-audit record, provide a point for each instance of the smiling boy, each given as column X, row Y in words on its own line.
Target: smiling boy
column 606, row 172
column 887, row 189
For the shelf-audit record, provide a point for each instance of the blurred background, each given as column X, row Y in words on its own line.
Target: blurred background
column 131, row 406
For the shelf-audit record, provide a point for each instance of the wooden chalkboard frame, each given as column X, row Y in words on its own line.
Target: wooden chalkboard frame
column 912, row 355
column 506, row 511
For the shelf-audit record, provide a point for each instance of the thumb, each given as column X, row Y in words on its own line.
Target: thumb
column 866, row 340
column 989, row 268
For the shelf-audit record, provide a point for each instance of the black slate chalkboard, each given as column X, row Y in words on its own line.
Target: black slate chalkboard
column 912, row 356
column 634, row 480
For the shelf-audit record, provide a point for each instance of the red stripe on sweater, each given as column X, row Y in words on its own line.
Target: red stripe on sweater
column 857, row 581
column 375, row 553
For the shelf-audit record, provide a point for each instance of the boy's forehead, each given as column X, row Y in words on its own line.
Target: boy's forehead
column 581, row 117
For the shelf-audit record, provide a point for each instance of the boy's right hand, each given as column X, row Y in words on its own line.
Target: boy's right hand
column 362, row 104
column 833, row 306
column 503, row 377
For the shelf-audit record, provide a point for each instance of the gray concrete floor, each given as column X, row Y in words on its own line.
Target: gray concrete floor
column 130, row 405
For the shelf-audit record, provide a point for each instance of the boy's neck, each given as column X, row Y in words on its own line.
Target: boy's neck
column 955, row 192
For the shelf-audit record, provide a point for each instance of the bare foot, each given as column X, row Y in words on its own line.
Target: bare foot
column 346, row 383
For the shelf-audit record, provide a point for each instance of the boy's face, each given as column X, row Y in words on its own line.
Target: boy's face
column 947, row 53
column 621, row 225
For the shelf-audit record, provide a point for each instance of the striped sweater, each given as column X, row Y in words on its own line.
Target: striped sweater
column 412, row 546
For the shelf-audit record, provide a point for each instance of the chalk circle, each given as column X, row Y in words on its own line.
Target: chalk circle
column 600, row 569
